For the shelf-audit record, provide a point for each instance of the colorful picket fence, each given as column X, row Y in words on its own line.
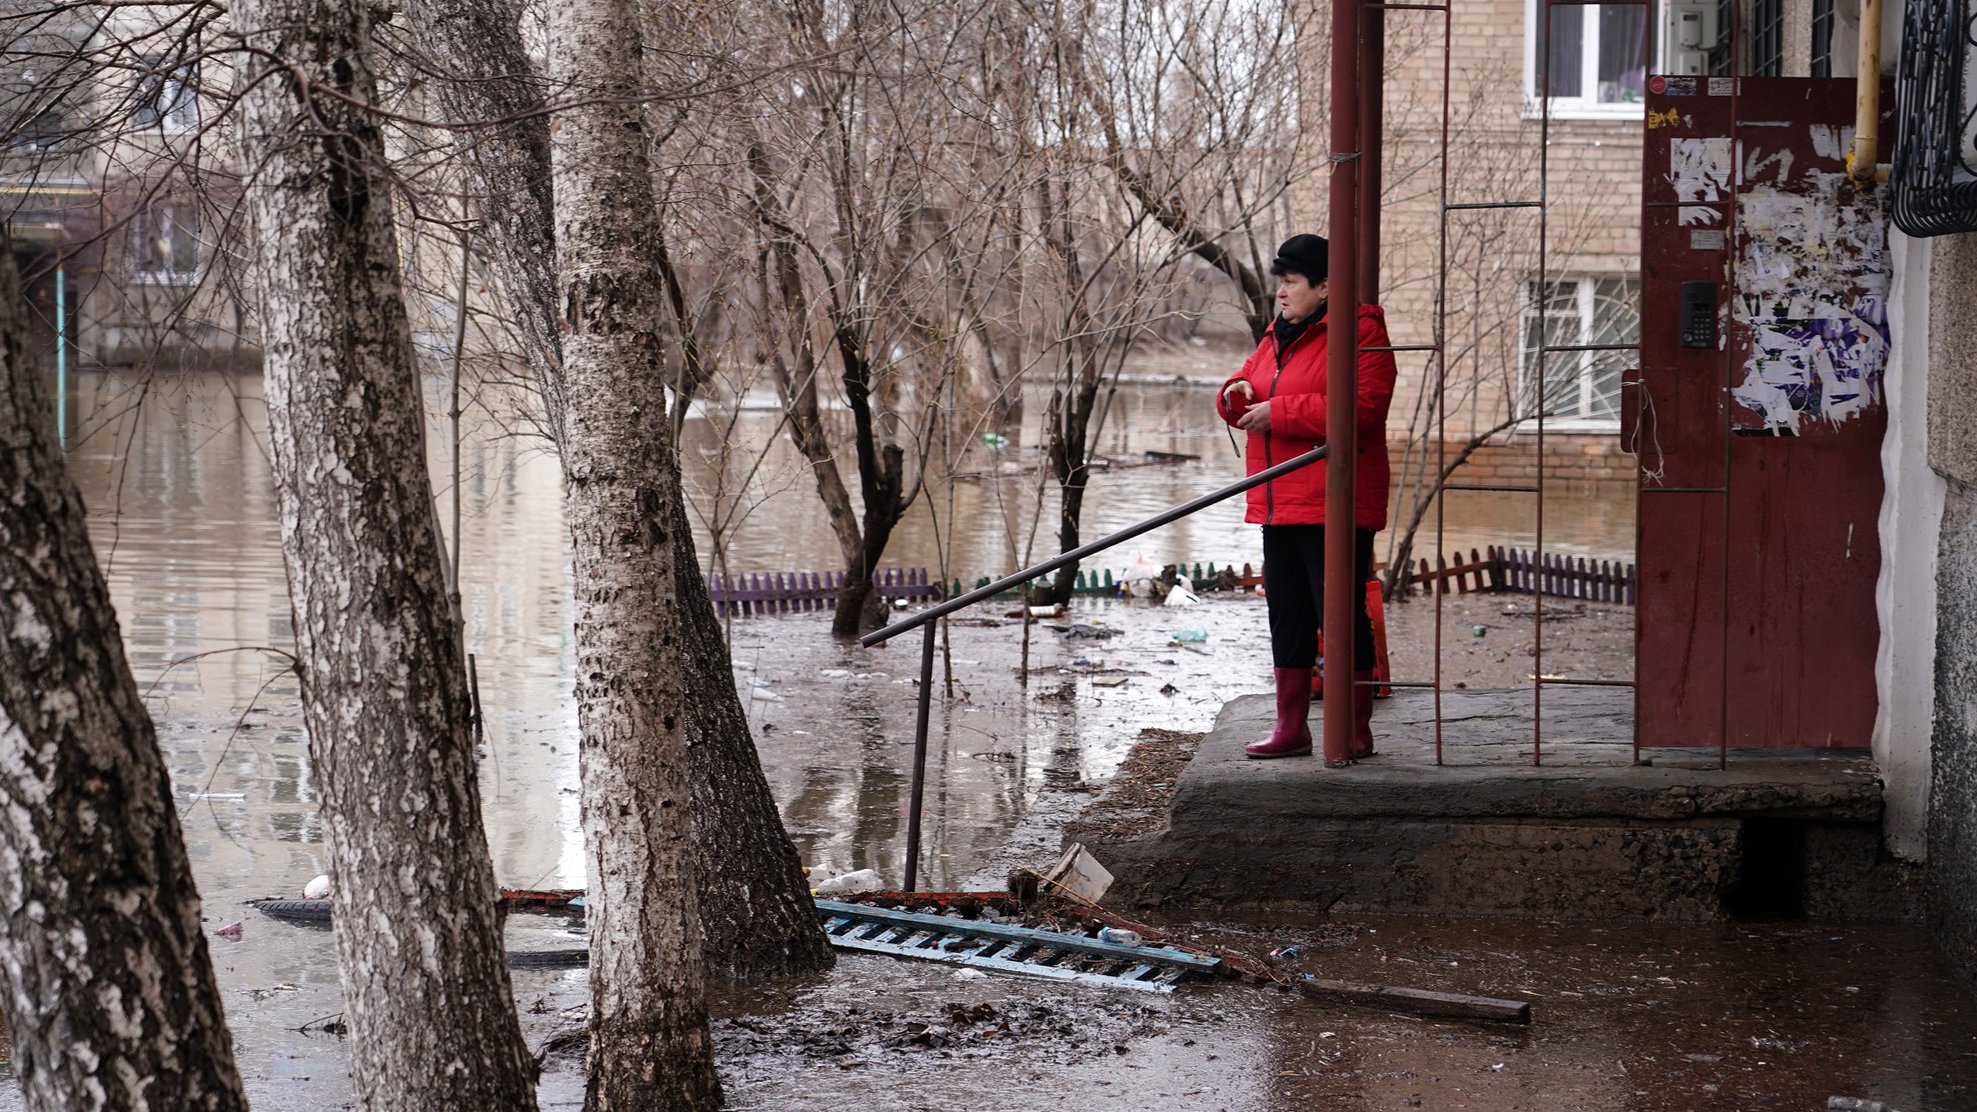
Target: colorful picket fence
column 1572, row 577
column 1101, row 582
column 1495, row 570
column 1517, row 571
column 783, row 592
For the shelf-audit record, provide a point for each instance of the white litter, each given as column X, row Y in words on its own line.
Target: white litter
column 317, row 889
column 860, row 880
column 1181, row 596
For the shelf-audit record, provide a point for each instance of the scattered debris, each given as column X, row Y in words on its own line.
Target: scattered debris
column 1855, row 1104
column 1194, row 636
column 1415, row 1001
column 317, row 911
column 1110, row 681
column 859, row 880
column 317, row 889
column 331, row 1024
column 1079, row 875
column 1060, row 1029
column 231, row 930
column 1136, row 800
column 1087, row 630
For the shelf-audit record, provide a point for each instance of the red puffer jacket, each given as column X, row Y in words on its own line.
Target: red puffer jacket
column 1296, row 393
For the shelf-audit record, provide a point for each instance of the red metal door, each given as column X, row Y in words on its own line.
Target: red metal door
column 1758, row 417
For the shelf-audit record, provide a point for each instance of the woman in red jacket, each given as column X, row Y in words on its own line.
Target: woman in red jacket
column 1279, row 399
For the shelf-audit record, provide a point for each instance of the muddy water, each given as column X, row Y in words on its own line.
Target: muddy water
column 175, row 474
column 1762, row 1017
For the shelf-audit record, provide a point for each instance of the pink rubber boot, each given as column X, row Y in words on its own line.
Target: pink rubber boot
column 1292, row 737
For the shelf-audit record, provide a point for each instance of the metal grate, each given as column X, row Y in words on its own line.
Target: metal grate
column 1056, row 955
column 1822, row 38
column 1935, row 156
column 1767, row 38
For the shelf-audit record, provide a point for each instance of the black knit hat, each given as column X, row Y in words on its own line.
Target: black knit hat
column 1307, row 254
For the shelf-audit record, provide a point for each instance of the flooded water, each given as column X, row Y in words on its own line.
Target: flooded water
column 1636, row 1018
column 175, row 474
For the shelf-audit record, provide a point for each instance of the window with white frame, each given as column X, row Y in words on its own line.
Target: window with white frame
column 164, row 243
column 1591, row 60
column 167, row 96
column 1565, row 331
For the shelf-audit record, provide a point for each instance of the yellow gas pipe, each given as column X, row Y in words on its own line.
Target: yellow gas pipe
column 1862, row 169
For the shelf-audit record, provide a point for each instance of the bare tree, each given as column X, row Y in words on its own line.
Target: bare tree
column 755, row 913
column 384, row 685
column 648, row 1022
column 110, row 997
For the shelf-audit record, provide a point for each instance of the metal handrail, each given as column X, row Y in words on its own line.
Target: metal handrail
column 928, row 618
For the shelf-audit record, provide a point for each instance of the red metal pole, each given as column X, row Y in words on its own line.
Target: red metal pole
column 1342, row 384
column 1372, row 133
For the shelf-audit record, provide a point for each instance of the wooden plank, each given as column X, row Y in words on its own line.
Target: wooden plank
column 1416, row 1001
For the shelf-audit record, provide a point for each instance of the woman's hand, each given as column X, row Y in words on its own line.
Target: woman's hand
column 1256, row 418
column 1230, row 400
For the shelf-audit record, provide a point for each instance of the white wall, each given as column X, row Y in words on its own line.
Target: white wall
column 1905, row 595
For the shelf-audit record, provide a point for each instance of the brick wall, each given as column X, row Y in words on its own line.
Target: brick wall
column 1592, row 226
column 1574, row 459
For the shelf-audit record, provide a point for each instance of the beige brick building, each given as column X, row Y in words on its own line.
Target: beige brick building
column 121, row 185
column 1505, row 296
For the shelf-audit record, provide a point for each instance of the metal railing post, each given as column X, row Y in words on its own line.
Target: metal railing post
column 929, row 617
column 920, row 759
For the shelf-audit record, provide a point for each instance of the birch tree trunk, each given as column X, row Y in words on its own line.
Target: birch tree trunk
column 384, row 687
column 109, row 992
column 649, row 1045
column 756, row 917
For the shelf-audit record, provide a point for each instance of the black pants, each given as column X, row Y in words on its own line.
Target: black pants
column 1294, row 586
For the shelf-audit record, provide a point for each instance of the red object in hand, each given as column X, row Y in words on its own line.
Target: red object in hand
column 1237, row 402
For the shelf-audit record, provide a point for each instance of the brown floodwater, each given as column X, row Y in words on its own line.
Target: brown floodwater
column 174, row 471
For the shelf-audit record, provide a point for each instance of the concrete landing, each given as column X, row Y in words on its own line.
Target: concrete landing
column 1587, row 834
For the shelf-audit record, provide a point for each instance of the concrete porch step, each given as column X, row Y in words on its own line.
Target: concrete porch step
column 1589, row 834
